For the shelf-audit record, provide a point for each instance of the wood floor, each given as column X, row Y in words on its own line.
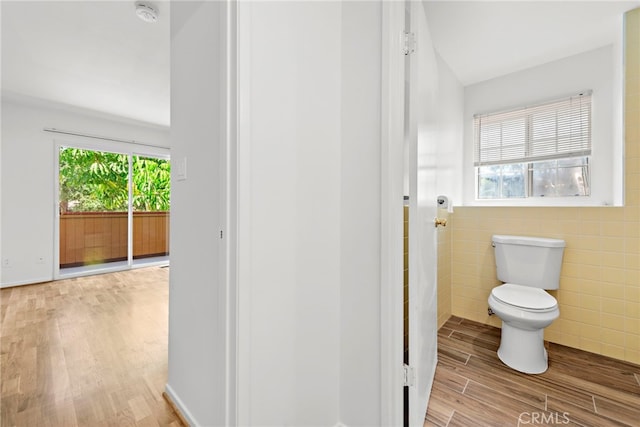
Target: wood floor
column 93, row 352
column 88, row 351
column 473, row 388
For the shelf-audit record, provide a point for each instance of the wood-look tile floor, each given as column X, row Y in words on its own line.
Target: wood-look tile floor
column 472, row 387
column 88, row 351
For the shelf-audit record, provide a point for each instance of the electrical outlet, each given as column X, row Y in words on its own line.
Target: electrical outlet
column 6, row 263
column 40, row 260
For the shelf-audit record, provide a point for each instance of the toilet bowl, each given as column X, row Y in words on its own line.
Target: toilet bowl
column 524, row 316
column 527, row 266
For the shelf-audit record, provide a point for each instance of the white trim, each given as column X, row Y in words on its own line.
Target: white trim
column 111, row 267
column 55, row 267
column 130, row 210
column 33, row 281
column 188, row 416
column 392, row 175
column 85, row 143
column 99, row 137
column 539, row 202
column 243, row 212
column 229, row 192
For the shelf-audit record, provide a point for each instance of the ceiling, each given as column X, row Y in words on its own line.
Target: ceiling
column 481, row 40
column 98, row 55
column 91, row 54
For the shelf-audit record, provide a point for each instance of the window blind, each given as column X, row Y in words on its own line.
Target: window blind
column 554, row 130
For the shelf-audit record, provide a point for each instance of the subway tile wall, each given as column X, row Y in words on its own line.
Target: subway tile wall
column 599, row 293
column 444, row 268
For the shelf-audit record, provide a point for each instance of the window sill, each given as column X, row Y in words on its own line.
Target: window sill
column 537, row 202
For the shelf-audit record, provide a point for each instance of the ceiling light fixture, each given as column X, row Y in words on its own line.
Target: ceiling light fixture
column 146, row 11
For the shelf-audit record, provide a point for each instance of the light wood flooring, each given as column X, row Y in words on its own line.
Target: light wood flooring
column 88, row 351
column 472, row 387
column 92, row 351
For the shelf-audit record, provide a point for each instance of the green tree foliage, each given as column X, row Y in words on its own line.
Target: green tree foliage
column 151, row 184
column 95, row 181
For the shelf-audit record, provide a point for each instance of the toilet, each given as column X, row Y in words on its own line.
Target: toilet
column 526, row 266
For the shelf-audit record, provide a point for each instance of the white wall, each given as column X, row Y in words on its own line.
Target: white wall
column 27, row 158
column 360, row 198
column 197, row 299
column 290, row 222
column 596, row 70
column 450, row 133
column 309, row 213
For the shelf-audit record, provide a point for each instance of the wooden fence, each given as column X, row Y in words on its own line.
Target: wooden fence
column 96, row 237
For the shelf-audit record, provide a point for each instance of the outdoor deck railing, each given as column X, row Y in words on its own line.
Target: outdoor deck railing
column 96, row 237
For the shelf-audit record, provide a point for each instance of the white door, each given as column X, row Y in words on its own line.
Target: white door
column 422, row 90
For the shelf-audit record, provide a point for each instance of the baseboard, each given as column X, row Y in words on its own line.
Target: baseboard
column 178, row 407
column 26, row 282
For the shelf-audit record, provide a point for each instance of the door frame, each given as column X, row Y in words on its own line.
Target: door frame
column 391, row 270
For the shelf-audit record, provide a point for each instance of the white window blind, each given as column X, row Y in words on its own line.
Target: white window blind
column 554, row 130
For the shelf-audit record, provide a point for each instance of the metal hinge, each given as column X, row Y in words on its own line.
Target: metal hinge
column 409, row 375
column 409, row 43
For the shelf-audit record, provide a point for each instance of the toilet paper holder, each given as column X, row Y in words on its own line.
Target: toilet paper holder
column 443, row 202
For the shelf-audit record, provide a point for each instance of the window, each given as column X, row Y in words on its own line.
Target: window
column 535, row 151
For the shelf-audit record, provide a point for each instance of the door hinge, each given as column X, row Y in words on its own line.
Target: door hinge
column 409, row 375
column 409, row 43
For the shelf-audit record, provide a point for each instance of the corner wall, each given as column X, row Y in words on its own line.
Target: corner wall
column 308, row 213
column 197, row 379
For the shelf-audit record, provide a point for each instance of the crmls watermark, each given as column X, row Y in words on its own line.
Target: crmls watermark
column 543, row 418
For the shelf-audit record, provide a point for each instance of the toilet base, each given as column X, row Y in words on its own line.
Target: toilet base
column 523, row 350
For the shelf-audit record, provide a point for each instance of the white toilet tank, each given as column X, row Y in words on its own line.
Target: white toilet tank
column 529, row 261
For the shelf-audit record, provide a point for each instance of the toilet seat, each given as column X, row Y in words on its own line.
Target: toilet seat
column 524, row 297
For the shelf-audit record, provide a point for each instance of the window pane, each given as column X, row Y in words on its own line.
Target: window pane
column 489, row 182
column 561, row 178
column 502, row 181
column 151, row 206
column 513, row 180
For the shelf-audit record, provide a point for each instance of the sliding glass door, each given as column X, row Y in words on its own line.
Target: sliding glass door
column 151, row 204
column 93, row 204
column 113, row 210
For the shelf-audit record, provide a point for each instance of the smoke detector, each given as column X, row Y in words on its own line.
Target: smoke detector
column 146, row 11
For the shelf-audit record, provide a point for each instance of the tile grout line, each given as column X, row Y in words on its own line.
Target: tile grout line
column 450, row 417
column 465, row 386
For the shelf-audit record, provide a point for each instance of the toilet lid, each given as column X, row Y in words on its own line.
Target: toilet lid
column 524, row 297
